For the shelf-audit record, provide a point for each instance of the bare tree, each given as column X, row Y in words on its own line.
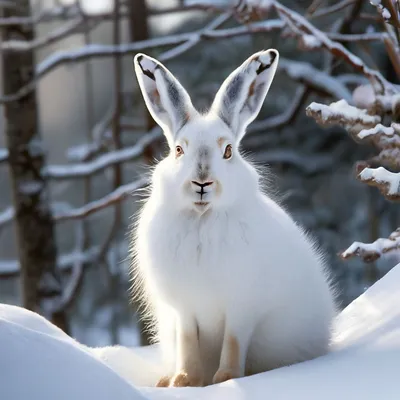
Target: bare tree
column 26, row 159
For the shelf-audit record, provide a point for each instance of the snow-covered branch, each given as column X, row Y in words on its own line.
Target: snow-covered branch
column 81, row 170
column 115, row 196
column 331, row 9
column 370, row 252
column 341, row 113
column 280, row 120
column 62, row 32
column 10, row 268
column 301, row 26
column 387, row 182
column 388, row 11
column 101, row 51
column 66, row 12
column 315, row 79
column 57, row 208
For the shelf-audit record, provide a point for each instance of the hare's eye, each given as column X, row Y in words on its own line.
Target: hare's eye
column 228, row 152
column 178, row 151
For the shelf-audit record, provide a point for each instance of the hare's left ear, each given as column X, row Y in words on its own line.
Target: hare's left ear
column 167, row 101
column 241, row 96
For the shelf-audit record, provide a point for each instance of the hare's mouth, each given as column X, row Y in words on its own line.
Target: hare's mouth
column 201, row 206
column 201, row 203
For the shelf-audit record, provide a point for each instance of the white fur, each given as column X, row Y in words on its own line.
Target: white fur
column 238, row 265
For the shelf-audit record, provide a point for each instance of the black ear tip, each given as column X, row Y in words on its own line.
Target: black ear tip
column 138, row 58
column 273, row 55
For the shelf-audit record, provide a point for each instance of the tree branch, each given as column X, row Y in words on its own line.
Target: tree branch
column 101, row 51
column 81, row 170
column 370, row 252
column 387, row 182
column 114, row 197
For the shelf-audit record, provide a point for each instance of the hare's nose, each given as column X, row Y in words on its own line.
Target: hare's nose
column 202, row 185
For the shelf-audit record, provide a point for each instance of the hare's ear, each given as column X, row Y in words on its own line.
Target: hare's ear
column 167, row 101
column 241, row 96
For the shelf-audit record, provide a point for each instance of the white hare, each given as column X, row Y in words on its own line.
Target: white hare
column 234, row 285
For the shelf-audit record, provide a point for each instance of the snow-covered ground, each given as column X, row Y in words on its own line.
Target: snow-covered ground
column 38, row 361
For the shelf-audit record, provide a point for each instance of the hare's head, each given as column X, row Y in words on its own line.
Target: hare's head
column 204, row 168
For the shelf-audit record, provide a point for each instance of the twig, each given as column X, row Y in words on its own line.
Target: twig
column 315, row 79
column 101, row 51
column 80, row 170
column 69, row 28
column 275, row 122
column 114, row 197
column 331, row 9
column 387, row 182
column 341, row 113
column 67, row 12
column 45, row 15
column 73, row 284
column 10, row 268
column 335, row 48
column 7, row 215
column 370, row 252
column 357, row 37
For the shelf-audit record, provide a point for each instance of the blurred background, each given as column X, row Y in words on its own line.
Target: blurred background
column 85, row 126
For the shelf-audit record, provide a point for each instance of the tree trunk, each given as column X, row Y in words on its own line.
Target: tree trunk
column 41, row 286
column 138, row 18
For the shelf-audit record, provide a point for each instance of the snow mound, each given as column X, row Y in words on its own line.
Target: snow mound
column 38, row 361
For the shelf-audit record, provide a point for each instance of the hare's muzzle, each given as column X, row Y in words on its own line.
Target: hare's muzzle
column 202, row 188
column 202, row 192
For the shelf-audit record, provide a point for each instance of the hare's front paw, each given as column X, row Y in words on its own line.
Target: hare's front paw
column 183, row 379
column 164, row 381
column 223, row 375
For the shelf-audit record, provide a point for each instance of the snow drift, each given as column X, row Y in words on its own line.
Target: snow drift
column 38, row 361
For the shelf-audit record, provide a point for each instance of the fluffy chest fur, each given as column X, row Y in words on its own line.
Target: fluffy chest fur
column 187, row 257
column 188, row 261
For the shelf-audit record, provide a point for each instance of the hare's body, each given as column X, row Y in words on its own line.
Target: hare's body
column 233, row 284
column 204, row 266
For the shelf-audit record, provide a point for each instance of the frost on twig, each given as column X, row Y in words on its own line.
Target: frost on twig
column 82, row 170
column 300, row 26
column 119, row 194
column 387, row 182
column 370, row 252
column 341, row 113
column 315, row 79
column 387, row 140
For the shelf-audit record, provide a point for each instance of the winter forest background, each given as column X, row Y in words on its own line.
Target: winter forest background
column 93, row 139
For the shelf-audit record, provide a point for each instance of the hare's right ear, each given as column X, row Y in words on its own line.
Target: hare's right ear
column 167, row 101
column 241, row 96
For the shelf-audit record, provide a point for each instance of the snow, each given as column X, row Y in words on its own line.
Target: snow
column 80, row 170
column 378, row 248
column 31, row 187
column 39, row 361
column 385, row 13
column 378, row 129
column 364, row 96
column 3, row 154
column 341, row 107
column 311, row 42
column 382, row 176
column 64, row 262
column 340, row 112
column 320, row 80
column 92, row 7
